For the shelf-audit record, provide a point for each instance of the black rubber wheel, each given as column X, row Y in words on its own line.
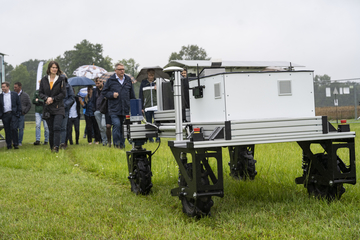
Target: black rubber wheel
column 245, row 167
column 329, row 193
column 141, row 183
column 316, row 190
column 198, row 207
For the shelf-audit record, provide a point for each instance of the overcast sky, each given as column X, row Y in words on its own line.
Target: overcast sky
column 323, row 35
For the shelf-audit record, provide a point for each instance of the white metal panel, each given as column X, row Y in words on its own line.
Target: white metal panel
column 209, row 108
column 256, row 96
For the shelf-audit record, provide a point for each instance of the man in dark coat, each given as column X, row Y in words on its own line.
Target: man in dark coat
column 96, row 99
column 10, row 111
column 118, row 90
column 25, row 106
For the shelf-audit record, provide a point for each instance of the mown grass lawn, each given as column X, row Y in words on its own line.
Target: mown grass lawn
column 83, row 192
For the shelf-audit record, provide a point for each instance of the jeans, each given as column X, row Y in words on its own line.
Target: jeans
column 118, row 131
column 21, row 128
column 54, row 124
column 64, row 127
column 38, row 120
column 100, row 119
column 149, row 117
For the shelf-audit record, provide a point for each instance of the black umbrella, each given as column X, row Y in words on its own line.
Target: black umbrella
column 158, row 73
column 80, row 81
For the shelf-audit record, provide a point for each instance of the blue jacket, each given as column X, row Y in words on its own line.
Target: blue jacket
column 15, row 104
column 121, row 104
column 88, row 108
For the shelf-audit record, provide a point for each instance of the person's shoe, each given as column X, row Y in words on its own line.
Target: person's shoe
column 45, row 143
column 77, row 143
column 109, row 145
column 62, row 146
column 20, row 144
column 55, row 149
column 9, row 147
column 37, row 143
column 84, row 136
column 151, row 140
column 16, row 147
column 157, row 140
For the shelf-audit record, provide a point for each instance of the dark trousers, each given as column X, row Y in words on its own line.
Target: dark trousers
column 76, row 123
column 90, row 124
column 11, row 124
column 54, row 124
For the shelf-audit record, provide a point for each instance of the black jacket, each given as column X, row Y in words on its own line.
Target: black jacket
column 57, row 93
column 25, row 102
column 69, row 98
column 15, row 104
column 121, row 104
column 96, row 99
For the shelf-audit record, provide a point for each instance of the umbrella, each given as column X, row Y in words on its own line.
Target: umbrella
column 80, row 81
column 158, row 73
column 83, row 92
column 106, row 76
column 89, row 71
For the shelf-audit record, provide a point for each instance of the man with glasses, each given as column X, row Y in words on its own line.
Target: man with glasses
column 118, row 90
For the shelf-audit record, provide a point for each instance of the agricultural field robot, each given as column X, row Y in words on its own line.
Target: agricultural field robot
column 236, row 105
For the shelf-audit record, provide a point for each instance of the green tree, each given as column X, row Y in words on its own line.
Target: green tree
column 321, row 80
column 21, row 74
column 189, row 52
column 131, row 67
column 85, row 53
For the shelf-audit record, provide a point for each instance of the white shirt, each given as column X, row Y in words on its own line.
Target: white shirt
column 7, row 102
column 72, row 111
column 121, row 81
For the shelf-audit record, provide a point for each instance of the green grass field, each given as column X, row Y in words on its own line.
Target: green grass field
column 83, row 193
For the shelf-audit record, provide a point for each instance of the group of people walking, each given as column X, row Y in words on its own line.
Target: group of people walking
column 57, row 107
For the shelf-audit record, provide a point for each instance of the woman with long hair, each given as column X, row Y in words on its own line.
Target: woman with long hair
column 90, row 120
column 53, row 90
